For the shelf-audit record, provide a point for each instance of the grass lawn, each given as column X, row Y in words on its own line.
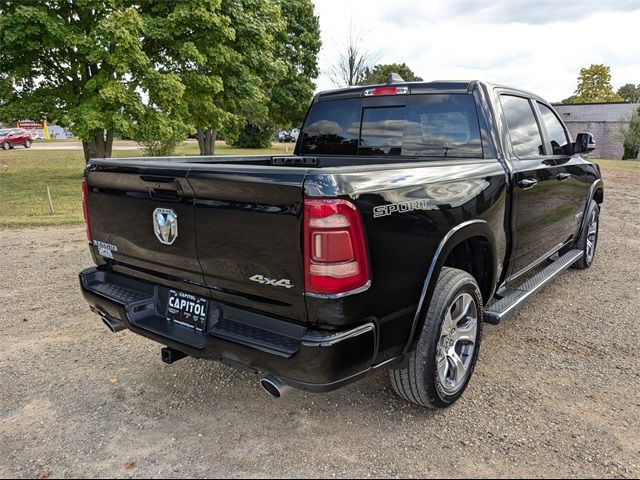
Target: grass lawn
column 633, row 164
column 25, row 174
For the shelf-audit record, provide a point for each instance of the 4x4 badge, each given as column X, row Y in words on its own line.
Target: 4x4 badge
column 285, row 282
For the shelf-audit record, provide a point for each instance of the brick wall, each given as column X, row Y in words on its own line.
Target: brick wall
column 602, row 120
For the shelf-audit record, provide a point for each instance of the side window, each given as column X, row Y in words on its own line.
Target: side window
column 557, row 133
column 523, row 128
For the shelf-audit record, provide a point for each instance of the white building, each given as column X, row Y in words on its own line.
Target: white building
column 603, row 120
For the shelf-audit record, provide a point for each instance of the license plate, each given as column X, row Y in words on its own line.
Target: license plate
column 187, row 310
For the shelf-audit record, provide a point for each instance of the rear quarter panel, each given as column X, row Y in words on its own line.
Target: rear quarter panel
column 402, row 245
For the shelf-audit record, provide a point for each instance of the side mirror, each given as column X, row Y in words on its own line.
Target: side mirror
column 584, row 143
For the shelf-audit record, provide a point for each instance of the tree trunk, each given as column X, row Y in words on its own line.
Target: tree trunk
column 99, row 146
column 108, row 147
column 207, row 140
column 200, row 137
column 211, row 139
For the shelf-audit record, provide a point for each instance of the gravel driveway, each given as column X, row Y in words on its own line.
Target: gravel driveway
column 556, row 391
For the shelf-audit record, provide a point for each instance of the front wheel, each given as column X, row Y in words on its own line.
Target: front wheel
column 6, row 146
column 439, row 369
column 27, row 144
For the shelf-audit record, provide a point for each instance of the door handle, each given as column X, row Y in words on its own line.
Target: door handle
column 163, row 188
column 527, row 183
column 564, row 176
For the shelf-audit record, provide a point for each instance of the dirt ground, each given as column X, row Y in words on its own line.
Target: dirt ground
column 556, row 391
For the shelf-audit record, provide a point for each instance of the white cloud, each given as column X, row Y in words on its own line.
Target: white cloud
column 535, row 45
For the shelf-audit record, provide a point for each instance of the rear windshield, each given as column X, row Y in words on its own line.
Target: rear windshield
column 411, row 126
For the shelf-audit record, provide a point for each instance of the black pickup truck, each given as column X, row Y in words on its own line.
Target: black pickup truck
column 409, row 214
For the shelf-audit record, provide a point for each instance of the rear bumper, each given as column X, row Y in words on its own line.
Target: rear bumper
column 308, row 359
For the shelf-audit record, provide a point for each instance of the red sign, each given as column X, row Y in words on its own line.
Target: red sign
column 29, row 124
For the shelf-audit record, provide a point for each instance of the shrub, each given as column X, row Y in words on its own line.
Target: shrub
column 253, row 136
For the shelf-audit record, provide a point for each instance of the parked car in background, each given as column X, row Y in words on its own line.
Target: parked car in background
column 284, row 136
column 288, row 136
column 12, row 137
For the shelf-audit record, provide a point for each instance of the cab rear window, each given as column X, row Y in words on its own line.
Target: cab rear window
column 435, row 125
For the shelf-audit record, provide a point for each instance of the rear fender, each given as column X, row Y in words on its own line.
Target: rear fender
column 458, row 234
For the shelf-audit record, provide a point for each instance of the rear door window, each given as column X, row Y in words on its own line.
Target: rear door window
column 526, row 138
column 419, row 126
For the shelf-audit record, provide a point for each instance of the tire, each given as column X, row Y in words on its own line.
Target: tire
column 27, row 144
column 6, row 146
column 421, row 381
column 588, row 240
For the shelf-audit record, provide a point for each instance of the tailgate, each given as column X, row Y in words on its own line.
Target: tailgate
column 248, row 224
column 124, row 197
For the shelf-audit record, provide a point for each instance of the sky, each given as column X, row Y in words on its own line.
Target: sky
column 538, row 46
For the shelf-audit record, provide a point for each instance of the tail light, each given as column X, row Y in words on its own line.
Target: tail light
column 380, row 91
column 335, row 254
column 85, row 207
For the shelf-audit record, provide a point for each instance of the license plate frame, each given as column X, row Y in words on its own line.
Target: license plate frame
column 187, row 310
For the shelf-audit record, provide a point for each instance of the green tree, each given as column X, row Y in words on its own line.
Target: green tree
column 146, row 70
column 594, row 86
column 379, row 73
column 297, row 46
column 223, row 52
column 630, row 93
column 159, row 134
column 83, row 65
column 253, row 136
column 630, row 136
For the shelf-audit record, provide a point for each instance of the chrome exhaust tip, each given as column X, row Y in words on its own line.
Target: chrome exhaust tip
column 112, row 324
column 275, row 387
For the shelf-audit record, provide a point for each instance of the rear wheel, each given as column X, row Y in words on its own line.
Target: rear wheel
column 27, row 143
column 6, row 146
column 588, row 240
column 439, row 369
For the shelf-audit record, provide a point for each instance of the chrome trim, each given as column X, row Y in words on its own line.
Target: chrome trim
column 363, row 288
column 170, row 230
column 569, row 258
column 274, row 382
column 319, row 339
column 534, row 264
column 386, row 363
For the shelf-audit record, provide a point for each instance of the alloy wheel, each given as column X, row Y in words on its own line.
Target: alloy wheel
column 457, row 343
column 592, row 236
